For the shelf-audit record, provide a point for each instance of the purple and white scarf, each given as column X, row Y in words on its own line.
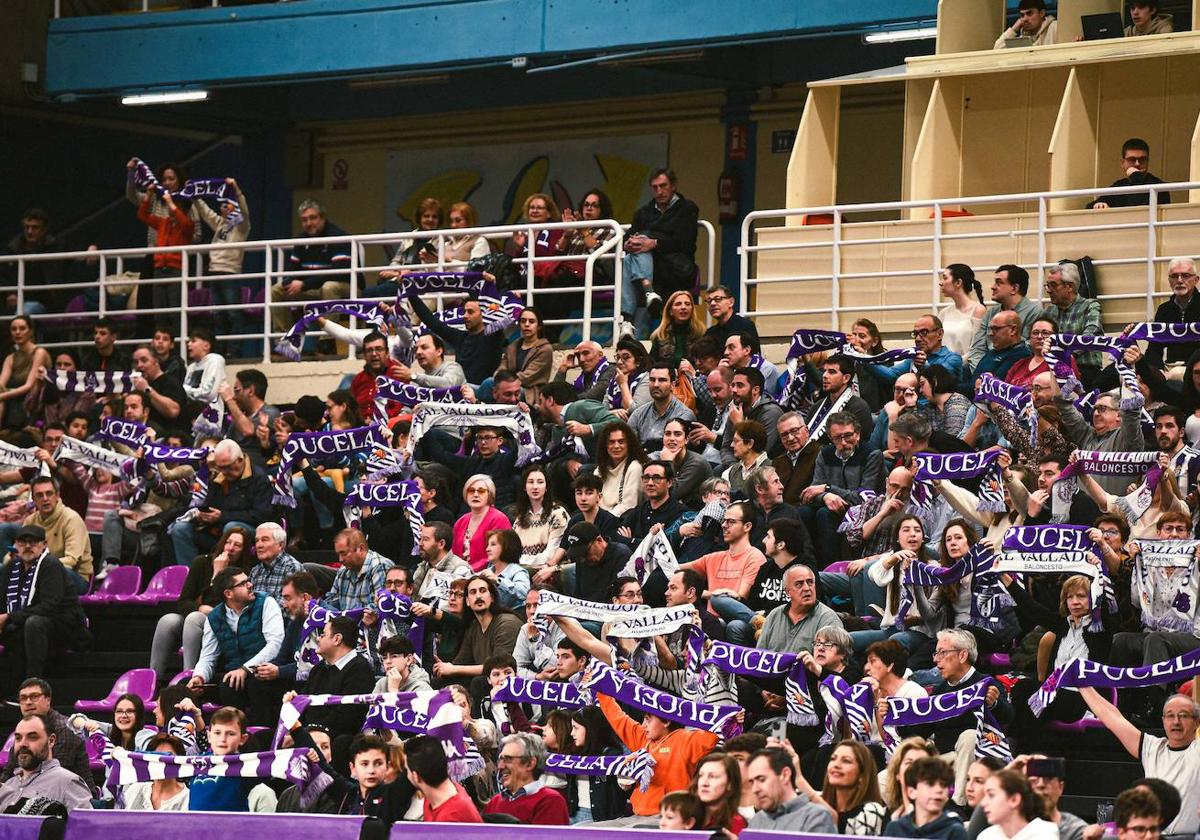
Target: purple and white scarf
column 920, row 573
column 1084, row 672
column 628, row 621
column 143, row 178
column 500, row 309
column 21, row 586
column 887, row 358
column 805, row 342
column 318, row 616
column 857, row 703
column 958, row 465
column 559, row 695
column 1166, row 584
column 18, row 458
column 825, row 410
column 425, row 712
column 401, row 494
column 1095, row 462
column 910, row 711
column 98, row 382
column 612, row 393
column 1059, row 549
column 129, row 432
column 654, row 552
column 409, row 395
column 638, row 766
column 1064, row 345
column 126, row 768
column 709, row 717
column 91, row 455
column 396, row 619
column 1016, row 399
column 432, row 415
column 292, row 342
column 321, row 445
column 157, row 453
column 755, row 662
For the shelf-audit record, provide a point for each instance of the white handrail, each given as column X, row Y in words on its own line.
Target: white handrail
column 937, row 238
column 274, row 251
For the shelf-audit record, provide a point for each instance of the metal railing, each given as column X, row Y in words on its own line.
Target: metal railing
column 112, row 263
column 140, row 6
column 941, row 242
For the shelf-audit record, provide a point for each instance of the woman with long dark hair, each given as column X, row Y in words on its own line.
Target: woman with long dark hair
column 920, row 625
column 538, row 522
column 619, row 462
column 531, row 357
column 851, row 790
column 594, row 798
column 963, row 315
column 1014, row 811
column 628, row 388
column 19, row 374
column 691, row 469
column 128, row 729
column 717, row 783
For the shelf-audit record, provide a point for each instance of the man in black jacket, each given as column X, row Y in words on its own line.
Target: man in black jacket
column 660, row 248
column 1135, row 163
column 40, row 607
column 238, row 496
column 476, row 350
column 340, row 671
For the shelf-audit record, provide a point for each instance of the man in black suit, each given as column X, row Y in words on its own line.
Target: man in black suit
column 340, row 671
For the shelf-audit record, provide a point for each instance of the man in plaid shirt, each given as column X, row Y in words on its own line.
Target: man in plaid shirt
column 274, row 564
column 363, row 572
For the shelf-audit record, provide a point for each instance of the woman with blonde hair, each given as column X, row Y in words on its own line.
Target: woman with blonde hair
column 891, row 780
column 682, row 323
column 538, row 209
column 464, row 247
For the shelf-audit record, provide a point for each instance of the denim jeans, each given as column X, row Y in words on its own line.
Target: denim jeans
column 822, row 524
column 117, row 542
column 860, row 589
column 324, row 514
column 233, row 321
column 917, row 644
column 737, row 617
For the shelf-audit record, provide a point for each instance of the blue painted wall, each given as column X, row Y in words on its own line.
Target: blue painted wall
column 315, row 38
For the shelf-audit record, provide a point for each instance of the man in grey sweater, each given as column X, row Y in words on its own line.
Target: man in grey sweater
column 772, row 779
column 792, row 626
column 1112, row 429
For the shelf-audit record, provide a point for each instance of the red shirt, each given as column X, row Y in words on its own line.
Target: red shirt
column 545, row 806
column 458, row 808
column 363, row 387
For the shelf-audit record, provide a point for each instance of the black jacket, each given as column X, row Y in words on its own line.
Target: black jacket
column 609, row 801
column 357, row 677
column 54, row 597
column 946, row 733
column 675, row 231
column 1168, row 312
column 478, row 353
column 1137, row 179
column 245, row 500
column 639, row 519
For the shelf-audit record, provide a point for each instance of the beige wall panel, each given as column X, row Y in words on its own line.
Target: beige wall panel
column 812, row 170
column 916, row 103
column 936, row 161
column 966, row 25
column 1073, row 160
column 870, row 154
column 1132, row 104
column 1183, row 107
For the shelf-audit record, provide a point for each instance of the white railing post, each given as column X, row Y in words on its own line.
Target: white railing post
column 268, row 263
column 184, row 273
column 937, row 253
column 1151, row 249
column 20, row 286
column 743, row 264
column 1042, row 220
column 102, row 306
column 835, row 282
column 355, row 262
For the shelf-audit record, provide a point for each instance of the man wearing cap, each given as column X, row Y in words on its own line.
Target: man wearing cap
column 592, row 562
column 40, row 607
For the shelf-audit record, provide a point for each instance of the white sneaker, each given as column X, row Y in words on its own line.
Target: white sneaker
column 651, row 299
column 625, row 330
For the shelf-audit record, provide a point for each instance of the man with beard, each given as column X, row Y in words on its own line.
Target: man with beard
column 1168, row 434
column 35, row 699
column 837, row 376
column 436, row 556
column 435, row 371
column 489, row 630
column 39, row 773
column 649, row 420
column 376, row 363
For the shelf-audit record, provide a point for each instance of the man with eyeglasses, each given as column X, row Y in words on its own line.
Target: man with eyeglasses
column 35, row 697
column 927, row 335
column 793, row 626
column 657, row 510
column 1137, row 814
column 342, row 670
column 1174, row 758
column 488, row 456
column 725, row 322
column 795, row 466
column 376, row 362
column 238, row 495
column 595, row 373
column 1075, row 315
column 955, row 652
column 1010, row 285
column 1135, row 163
column 522, row 792
column 1182, row 307
column 730, row 573
column 844, row 471
column 1007, row 349
column 243, row 631
column 1112, row 429
column 41, row 605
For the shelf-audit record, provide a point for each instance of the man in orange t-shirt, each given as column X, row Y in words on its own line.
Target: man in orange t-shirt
column 730, row 573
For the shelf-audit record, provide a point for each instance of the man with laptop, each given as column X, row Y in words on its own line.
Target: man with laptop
column 1032, row 29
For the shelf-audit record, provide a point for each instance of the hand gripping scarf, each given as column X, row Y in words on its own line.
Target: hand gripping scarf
column 408, row 395
column 292, row 341
column 1016, row 399
column 990, row 740
column 510, row 417
column 805, row 342
column 638, row 766
column 99, row 382
column 1168, row 599
column 144, row 179
column 1084, row 672
column 318, row 616
column 500, row 309
column 612, row 394
column 754, row 662
column 424, row 712
column 1059, row 549
column 91, row 455
column 401, row 494
column 319, row 446
column 17, row 458
column 125, row 768
column 602, row 678
column 857, row 704
column 820, row 418
column 959, row 465
column 919, row 573
column 558, row 695
column 1130, row 464
column 654, row 552
column 154, row 454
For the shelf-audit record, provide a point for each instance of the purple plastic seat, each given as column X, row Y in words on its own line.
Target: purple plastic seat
column 165, row 586
column 1078, row 727
column 5, row 750
column 181, row 677
column 1000, row 662
column 838, row 568
column 119, row 584
column 139, row 681
column 95, row 753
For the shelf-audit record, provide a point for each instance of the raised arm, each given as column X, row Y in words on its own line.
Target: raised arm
column 1128, row 734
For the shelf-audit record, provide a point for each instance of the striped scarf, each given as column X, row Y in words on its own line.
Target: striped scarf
column 638, row 766
column 99, row 382
column 292, row 342
column 805, row 342
column 401, row 494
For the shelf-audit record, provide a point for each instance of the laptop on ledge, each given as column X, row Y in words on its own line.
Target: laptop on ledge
column 1103, row 26
column 1021, row 41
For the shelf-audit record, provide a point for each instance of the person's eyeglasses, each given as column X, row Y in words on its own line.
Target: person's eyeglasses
column 942, row 654
column 1103, row 408
column 591, row 204
column 844, row 436
column 922, row 333
column 1142, row 830
column 1041, row 333
column 454, row 595
column 1181, row 275
column 791, row 433
column 509, row 759
column 823, row 645
column 997, row 327
column 654, row 477
column 124, row 712
column 718, row 298
column 731, row 521
column 1137, row 158
column 1169, row 716
column 487, row 437
column 371, row 351
column 1110, row 532
column 32, row 697
column 245, row 582
column 1174, row 529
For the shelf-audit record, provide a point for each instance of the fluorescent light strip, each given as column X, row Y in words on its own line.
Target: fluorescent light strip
column 165, row 97
column 894, row 35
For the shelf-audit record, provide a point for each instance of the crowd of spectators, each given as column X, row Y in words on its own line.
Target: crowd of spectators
column 779, row 504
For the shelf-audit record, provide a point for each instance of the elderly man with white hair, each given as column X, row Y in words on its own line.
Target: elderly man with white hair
column 274, row 565
column 237, row 495
column 594, row 370
column 1074, row 315
column 1182, row 307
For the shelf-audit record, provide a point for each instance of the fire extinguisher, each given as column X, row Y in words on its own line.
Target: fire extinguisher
column 728, row 188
